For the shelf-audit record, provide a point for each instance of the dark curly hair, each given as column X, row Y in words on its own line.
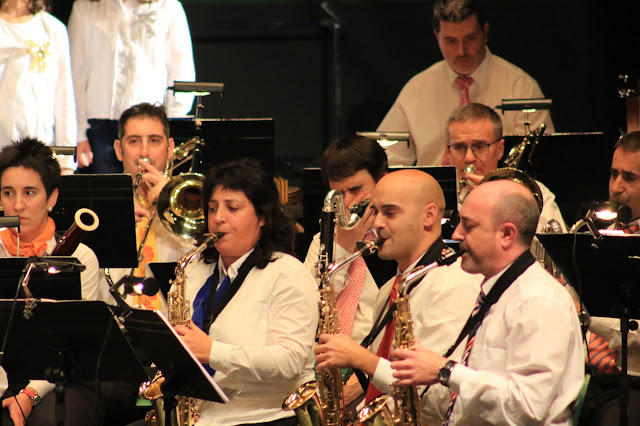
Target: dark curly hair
column 247, row 176
column 32, row 154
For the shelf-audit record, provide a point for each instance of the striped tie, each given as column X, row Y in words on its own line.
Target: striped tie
column 463, row 83
column 601, row 356
column 465, row 356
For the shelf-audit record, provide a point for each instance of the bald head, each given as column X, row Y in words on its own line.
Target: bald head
column 511, row 202
column 416, row 185
column 409, row 205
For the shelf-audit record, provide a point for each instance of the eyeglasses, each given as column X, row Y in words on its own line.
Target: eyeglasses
column 478, row 149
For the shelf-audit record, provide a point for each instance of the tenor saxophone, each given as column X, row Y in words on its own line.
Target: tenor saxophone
column 405, row 398
column 179, row 307
column 322, row 402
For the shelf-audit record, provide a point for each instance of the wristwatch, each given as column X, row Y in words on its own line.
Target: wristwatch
column 35, row 398
column 445, row 372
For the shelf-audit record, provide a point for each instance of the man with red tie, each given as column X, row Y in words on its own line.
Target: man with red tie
column 523, row 361
column 468, row 73
column 408, row 206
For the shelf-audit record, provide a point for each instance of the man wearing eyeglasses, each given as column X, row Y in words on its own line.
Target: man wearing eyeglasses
column 475, row 145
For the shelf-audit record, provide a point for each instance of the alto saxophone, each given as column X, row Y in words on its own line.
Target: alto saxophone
column 179, row 314
column 405, row 398
column 322, row 402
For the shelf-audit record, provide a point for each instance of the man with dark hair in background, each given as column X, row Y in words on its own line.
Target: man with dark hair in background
column 468, row 73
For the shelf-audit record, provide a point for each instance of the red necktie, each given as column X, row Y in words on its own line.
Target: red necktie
column 349, row 297
column 385, row 344
column 463, row 83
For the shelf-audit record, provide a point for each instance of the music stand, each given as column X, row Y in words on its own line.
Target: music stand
column 164, row 272
column 605, row 273
column 64, row 285
column 76, row 341
column 184, row 374
column 111, row 198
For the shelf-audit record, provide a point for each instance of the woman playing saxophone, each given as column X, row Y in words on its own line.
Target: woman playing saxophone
column 260, row 323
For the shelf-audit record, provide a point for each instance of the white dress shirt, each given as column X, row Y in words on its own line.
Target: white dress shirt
column 36, row 102
column 440, row 305
column 127, row 53
column 425, row 102
column 262, row 342
column 89, row 279
column 363, row 320
column 527, row 362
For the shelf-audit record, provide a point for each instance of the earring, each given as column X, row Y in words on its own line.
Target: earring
column 50, row 208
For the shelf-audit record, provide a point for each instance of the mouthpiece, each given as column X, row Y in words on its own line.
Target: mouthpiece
column 369, row 247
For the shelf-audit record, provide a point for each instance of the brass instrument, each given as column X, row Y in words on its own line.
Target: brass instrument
column 464, row 182
column 405, row 398
column 180, row 204
column 517, row 176
column 516, row 158
column 68, row 243
column 179, row 314
column 322, row 402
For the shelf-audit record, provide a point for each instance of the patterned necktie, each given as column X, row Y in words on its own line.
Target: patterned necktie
column 347, row 302
column 463, row 83
column 465, row 356
column 601, row 356
column 385, row 344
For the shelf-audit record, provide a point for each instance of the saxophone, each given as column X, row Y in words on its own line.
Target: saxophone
column 179, row 314
column 405, row 398
column 322, row 402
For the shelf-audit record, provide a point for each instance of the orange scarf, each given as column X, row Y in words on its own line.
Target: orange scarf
column 35, row 248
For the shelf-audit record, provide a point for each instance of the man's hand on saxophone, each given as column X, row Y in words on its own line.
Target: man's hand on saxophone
column 339, row 351
column 416, row 366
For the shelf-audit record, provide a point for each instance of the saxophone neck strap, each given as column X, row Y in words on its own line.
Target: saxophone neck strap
column 385, row 315
column 521, row 264
column 213, row 309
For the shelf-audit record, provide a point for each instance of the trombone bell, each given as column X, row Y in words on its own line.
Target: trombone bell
column 180, row 205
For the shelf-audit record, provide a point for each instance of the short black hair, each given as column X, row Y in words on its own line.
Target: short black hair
column 629, row 142
column 457, row 11
column 32, row 154
column 249, row 177
column 144, row 110
column 348, row 155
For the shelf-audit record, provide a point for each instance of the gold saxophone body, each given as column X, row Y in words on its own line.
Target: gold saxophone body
column 405, row 398
column 179, row 314
column 322, row 402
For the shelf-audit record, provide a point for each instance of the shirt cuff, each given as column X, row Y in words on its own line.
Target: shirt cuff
column 42, row 387
column 459, row 374
column 219, row 352
column 383, row 376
